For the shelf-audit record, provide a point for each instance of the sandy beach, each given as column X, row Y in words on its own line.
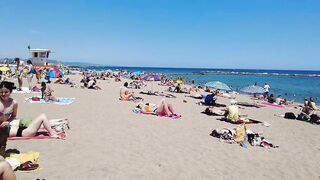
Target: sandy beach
column 108, row 141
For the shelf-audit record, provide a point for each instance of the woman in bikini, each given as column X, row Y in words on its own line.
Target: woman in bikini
column 162, row 109
column 8, row 112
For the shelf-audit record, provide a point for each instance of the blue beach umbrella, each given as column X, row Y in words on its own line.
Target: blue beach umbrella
column 218, row 85
column 252, row 89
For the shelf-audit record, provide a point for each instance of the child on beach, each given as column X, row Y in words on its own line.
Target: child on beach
column 47, row 92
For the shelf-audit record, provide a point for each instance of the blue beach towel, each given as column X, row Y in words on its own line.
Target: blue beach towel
column 61, row 101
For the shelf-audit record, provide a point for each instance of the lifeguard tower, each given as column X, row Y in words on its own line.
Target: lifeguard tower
column 39, row 57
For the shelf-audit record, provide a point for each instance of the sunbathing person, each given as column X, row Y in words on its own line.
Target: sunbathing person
column 162, row 109
column 214, row 112
column 125, row 95
column 46, row 92
column 29, row 128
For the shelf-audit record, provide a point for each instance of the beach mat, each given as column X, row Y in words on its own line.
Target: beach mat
column 247, row 104
column 249, row 121
column 61, row 101
column 40, row 135
column 271, row 104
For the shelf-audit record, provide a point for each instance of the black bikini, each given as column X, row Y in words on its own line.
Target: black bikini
column 19, row 131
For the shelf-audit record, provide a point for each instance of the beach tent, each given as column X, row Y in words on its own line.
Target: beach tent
column 56, row 72
column 218, row 85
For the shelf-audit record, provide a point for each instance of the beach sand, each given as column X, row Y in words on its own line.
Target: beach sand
column 108, row 141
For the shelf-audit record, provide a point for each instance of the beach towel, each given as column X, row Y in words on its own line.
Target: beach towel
column 248, row 104
column 25, row 90
column 271, row 104
column 27, row 162
column 241, row 121
column 60, row 100
column 41, row 135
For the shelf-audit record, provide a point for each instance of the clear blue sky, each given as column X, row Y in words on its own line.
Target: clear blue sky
column 263, row 34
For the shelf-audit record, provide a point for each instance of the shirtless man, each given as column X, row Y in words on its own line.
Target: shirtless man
column 125, row 95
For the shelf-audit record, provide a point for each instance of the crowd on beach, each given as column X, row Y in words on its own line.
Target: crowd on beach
column 10, row 126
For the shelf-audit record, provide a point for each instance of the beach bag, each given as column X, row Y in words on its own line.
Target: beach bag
column 290, row 115
column 24, row 122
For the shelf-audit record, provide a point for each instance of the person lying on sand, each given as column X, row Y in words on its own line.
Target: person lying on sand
column 29, row 128
column 162, row 109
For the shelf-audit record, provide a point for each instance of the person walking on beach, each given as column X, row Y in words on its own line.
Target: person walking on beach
column 30, row 73
column 19, row 69
column 266, row 88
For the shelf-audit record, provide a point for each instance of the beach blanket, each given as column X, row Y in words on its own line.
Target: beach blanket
column 60, row 100
column 248, row 104
column 25, row 90
column 41, row 135
column 271, row 104
column 157, row 94
column 27, row 162
column 138, row 111
column 241, row 121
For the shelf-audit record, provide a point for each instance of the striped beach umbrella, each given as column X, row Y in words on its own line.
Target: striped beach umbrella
column 152, row 77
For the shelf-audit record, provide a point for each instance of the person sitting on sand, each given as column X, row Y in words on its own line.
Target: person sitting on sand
column 162, row 109
column 125, row 95
column 280, row 100
column 8, row 112
column 210, row 99
column 232, row 112
column 92, row 84
column 47, row 92
column 29, row 128
column 270, row 98
column 6, row 172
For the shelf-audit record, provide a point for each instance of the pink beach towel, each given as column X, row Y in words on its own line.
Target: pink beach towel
column 271, row 104
column 40, row 135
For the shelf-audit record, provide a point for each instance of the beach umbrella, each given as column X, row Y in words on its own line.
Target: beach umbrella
column 252, row 89
column 218, row 85
column 137, row 73
column 4, row 68
column 152, row 77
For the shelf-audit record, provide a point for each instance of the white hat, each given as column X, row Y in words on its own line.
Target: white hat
column 233, row 101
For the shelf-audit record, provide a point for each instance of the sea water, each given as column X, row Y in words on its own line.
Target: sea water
column 290, row 84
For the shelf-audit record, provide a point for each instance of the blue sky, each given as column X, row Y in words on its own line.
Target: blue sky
column 263, row 34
